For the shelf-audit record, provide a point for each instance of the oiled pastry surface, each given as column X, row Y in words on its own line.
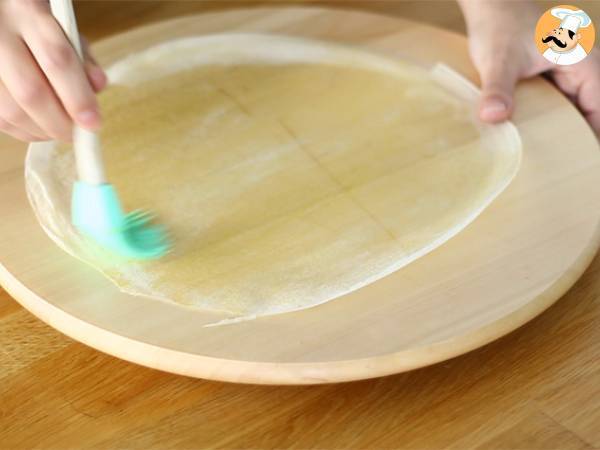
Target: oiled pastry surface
column 288, row 178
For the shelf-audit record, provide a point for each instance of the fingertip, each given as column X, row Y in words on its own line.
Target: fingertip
column 97, row 77
column 89, row 119
column 494, row 110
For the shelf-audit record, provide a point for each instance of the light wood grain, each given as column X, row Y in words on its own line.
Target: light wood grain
column 504, row 269
column 532, row 389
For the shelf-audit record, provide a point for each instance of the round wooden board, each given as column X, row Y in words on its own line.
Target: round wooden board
column 509, row 265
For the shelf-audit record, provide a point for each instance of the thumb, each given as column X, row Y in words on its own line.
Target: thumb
column 497, row 90
column 96, row 75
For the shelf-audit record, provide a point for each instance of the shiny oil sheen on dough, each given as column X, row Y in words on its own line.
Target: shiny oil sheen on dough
column 290, row 172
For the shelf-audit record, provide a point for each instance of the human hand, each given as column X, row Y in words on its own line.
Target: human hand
column 44, row 87
column 503, row 51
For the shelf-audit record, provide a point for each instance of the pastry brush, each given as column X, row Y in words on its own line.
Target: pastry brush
column 96, row 210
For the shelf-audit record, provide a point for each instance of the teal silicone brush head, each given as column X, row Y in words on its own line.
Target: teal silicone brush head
column 97, row 213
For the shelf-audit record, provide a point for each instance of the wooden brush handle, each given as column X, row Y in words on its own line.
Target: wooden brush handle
column 88, row 153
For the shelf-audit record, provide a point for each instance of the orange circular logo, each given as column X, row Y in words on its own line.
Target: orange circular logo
column 565, row 35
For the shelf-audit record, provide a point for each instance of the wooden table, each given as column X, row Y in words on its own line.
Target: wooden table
column 535, row 388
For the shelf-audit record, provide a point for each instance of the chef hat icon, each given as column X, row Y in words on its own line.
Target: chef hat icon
column 571, row 20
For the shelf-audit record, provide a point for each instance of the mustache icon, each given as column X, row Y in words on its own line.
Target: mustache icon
column 556, row 41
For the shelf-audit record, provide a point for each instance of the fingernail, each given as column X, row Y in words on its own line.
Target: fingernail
column 493, row 109
column 89, row 118
column 98, row 77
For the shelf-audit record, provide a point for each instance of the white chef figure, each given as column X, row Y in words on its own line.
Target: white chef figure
column 563, row 42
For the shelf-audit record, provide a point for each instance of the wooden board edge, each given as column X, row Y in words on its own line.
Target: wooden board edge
column 269, row 373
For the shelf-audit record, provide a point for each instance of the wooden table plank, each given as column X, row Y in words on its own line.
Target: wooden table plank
column 535, row 388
